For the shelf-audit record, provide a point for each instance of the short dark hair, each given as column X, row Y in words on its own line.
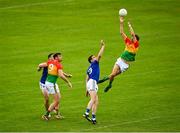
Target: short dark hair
column 137, row 37
column 90, row 58
column 56, row 55
column 50, row 55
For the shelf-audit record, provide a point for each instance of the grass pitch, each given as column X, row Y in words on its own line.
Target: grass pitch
column 145, row 98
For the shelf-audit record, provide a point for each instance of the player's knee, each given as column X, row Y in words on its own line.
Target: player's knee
column 59, row 96
column 97, row 102
column 112, row 77
column 56, row 103
column 93, row 100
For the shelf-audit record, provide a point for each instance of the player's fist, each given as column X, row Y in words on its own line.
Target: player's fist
column 69, row 75
column 102, row 42
column 39, row 69
column 129, row 24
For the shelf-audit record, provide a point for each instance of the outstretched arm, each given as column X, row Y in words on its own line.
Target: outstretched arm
column 61, row 75
column 67, row 75
column 41, row 65
column 132, row 31
column 101, row 50
column 124, row 36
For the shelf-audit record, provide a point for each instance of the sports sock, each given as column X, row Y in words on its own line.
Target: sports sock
column 109, row 86
column 110, row 82
column 104, row 79
column 47, row 113
column 93, row 116
column 87, row 111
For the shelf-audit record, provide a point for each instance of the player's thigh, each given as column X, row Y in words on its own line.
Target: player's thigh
column 93, row 95
column 56, row 97
column 44, row 91
column 52, row 88
column 92, row 85
column 45, row 94
column 116, row 70
column 97, row 99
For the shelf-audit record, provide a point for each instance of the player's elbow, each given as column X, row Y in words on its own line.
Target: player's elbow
column 61, row 75
column 132, row 33
column 121, row 33
column 99, row 57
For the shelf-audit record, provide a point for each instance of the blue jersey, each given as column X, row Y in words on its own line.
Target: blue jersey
column 44, row 75
column 94, row 71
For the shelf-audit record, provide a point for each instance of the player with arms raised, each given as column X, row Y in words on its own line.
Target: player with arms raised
column 128, row 56
column 92, row 78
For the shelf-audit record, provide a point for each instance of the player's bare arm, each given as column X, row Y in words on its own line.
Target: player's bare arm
column 132, row 31
column 67, row 75
column 101, row 51
column 124, row 36
column 87, row 78
column 41, row 65
column 62, row 76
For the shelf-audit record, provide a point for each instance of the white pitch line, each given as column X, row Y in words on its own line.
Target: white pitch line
column 129, row 122
column 29, row 5
column 35, row 4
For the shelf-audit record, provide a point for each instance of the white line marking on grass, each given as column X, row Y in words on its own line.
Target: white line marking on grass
column 129, row 122
column 29, row 5
column 34, row 4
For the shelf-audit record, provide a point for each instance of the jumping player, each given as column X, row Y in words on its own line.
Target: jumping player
column 92, row 78
column 128, row 56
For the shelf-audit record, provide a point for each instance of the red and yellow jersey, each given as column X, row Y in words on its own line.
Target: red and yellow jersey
column 53, row 67
column 131, row 47
column 130, row 50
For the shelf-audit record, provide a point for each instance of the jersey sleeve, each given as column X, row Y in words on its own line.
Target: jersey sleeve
column 127, row 41
column 136, row 44
column 59, row 66
column 48, row 62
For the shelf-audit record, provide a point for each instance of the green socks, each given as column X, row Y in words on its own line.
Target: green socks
column 109, row 86
column 102, row 80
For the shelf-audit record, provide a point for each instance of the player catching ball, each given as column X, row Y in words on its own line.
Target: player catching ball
column 128, row 56
column 92, row 78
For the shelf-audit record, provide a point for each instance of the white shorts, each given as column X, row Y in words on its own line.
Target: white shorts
column 122, row 65
column 92, row 85
column 52, row 88
column 42, row 86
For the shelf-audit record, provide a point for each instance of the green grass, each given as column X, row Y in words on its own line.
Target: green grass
column 145, row 98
